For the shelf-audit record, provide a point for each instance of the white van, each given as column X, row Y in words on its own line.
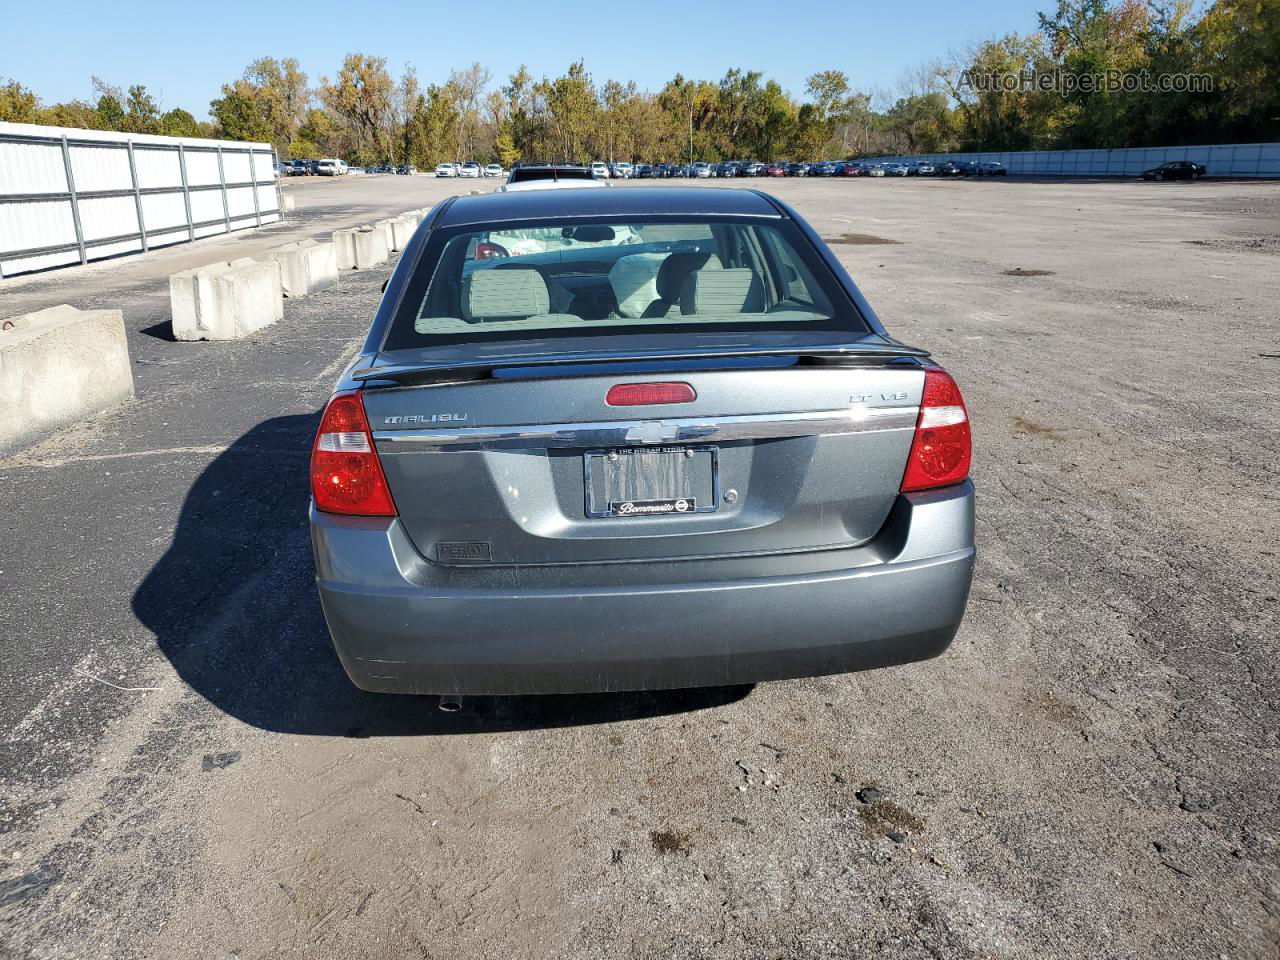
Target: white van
column 331, row 167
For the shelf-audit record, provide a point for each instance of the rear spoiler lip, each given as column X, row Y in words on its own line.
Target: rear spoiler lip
column 400, row 371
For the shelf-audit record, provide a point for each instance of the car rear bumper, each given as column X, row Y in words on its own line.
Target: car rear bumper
column 401, row 624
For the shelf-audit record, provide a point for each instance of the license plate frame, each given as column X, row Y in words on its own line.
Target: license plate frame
column 595, row 461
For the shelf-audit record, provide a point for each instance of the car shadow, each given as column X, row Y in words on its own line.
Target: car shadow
column 233, row 606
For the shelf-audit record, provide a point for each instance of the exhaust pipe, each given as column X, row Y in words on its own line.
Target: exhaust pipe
column 450, row 703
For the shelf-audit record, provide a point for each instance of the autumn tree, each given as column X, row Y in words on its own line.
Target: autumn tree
column 179, row 123
column 366, row 116
column 18, row 104
column 239, row 113
column 571, row 111
column 1238, row 42
column 465, row 88
column 361, row 99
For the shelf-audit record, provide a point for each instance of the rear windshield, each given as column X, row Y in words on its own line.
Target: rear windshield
column 556, row 279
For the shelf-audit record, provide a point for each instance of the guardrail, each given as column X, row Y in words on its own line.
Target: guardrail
column 1245, row 160
column 71, row 196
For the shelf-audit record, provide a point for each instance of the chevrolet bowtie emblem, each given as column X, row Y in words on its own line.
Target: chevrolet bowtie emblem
column 653, row 431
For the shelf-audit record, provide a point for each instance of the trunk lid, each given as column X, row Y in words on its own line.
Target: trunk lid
column 530, row 465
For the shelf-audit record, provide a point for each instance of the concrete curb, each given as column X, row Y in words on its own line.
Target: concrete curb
column 402, row 231
column 386, row 227
column 344, row 248
column 226, row 301
column 305, row 267
column 370, row 247
column 359, row 248
column 57, row 366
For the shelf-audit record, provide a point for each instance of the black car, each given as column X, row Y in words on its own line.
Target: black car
column 524, row 172
column 822, row 169
column 797, row 169
column 992, row 168
column 646, row 171
column 949, row 168
column 1175, row 170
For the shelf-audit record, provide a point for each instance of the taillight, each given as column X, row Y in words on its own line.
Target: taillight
column 346, row 476
column 647, row 394
column 942, row 448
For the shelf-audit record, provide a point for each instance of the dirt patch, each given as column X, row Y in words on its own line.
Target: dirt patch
column 669, row 842
column 885, row 816
column 1252, row 244
column 1021, row 272
column 1023, row 425
column 859, row 239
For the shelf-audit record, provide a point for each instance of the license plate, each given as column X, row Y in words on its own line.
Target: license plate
column 651, row 481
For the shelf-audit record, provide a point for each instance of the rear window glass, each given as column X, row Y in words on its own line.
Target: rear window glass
column 554, row 279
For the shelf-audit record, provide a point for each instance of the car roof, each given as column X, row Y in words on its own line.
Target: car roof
column 555, row 204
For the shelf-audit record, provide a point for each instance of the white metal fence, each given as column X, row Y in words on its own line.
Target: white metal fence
column 71, row 196
column 1222, row 160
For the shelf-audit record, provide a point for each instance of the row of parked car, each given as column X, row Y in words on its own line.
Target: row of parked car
column 841, row 168
column 469, row 169
column 403, row 169
column 329, row 167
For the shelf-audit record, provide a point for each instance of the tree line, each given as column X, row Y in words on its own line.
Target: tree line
column 966, row 102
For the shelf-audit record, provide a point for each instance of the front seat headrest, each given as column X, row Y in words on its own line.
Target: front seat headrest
column 675, row 271
column 504, row 294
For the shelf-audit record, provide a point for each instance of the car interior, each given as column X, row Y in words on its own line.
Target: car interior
column 599, row 275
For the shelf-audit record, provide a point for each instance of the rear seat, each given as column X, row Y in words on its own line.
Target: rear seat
column 717, row 292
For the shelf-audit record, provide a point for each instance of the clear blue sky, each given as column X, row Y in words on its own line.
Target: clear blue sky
column 184, row 51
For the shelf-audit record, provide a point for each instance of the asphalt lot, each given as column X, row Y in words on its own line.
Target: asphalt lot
column 1090, row 771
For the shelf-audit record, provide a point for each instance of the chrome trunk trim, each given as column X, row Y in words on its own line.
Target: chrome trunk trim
column 630, row 433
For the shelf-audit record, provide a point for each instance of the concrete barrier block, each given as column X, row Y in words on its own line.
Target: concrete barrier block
column 401, row 230
column 226, row 301
column 385, row 227
column 58, row 366
column 305, row 267
column 344, row 248
column 371, row 247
